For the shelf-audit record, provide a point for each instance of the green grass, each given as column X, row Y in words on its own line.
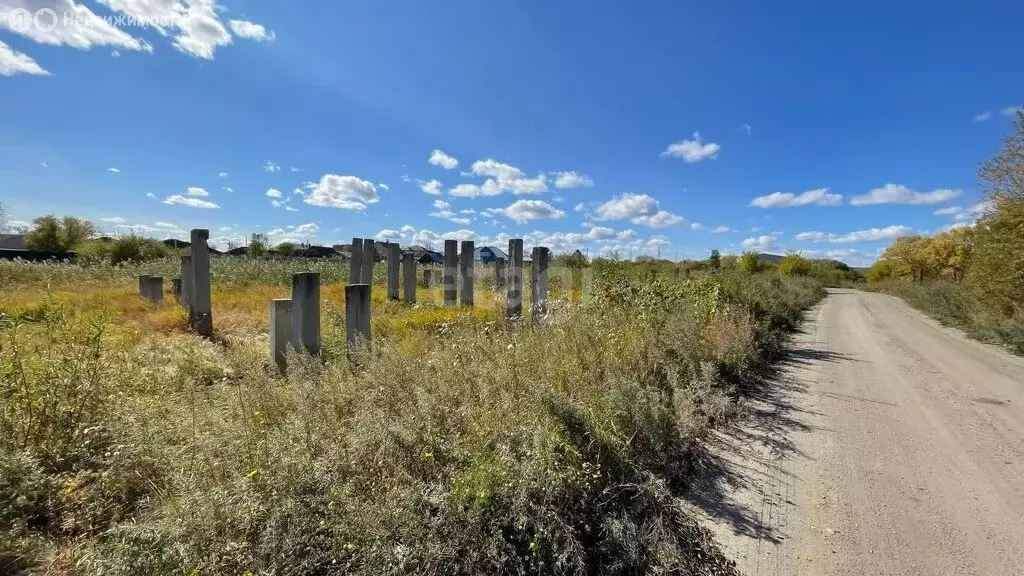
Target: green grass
column 457, row 445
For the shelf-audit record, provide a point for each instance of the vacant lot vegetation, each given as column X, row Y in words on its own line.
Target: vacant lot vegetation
column 458, row 444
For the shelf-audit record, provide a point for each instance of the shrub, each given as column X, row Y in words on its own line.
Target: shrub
column 63, row 235
column 794, row 264
column 750, row 262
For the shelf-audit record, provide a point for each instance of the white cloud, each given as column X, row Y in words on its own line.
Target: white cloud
column 745, row 128
column 505, row 177
column 489, row 188
column 899, row 194
column 869, row 235
column 345, row 192
column 760, row 243
column 442, row 160
column 692, row 150
column 384, row 187
column 433, row 187
column 189, row 201
column 441, row 205
column 13, row 62
column 196, row 191
column 982, row 117
column 269, row 166
column 115, row 54
column 571, row 179
column 965, row 215
column 223, row 175
column 637, row 208
column 385, row 235
column 251, row 31
column 291, row 209
column 818, row 197
column 114, row 170
column 526, row 210
column 228, row 189
column 950, row 211
column 66, row 23
column 696, row 226
column 294, row 234
column 44, row 164
column 274, row 193
column 1011, row 110
column 114, row 219
column 720, row 230
column 150, row 195
column 194, row 25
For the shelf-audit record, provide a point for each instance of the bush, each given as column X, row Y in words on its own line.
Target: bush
column 794, row 264
column 124, row 250
column 750, row 262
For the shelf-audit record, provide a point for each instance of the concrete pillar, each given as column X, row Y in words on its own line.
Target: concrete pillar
column 451, row 264
column 357, row 314
column 186, row 282
column 142, row 284
column 369, row 259
column 394, row 264
column 539, row 283
column 515, row 278
column 409, row 273
column 438, row 277
column 466, row 272
column 428, row 275
column 355, row 263
column 200, row 314
column 153, row 289
column 499, row 274
column 306, row 312
column 280, row 331
column 176, row 289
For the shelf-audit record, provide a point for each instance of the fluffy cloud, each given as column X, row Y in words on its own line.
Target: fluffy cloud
column 442, row 160
column 489, row 188
column 818, row 197
column 720, row 230
column 899, row 194
column 760, row 243
column 383, row 187
column 526, row 210
column 274, row 193
column 345, row 192
column 269, row 166
column 114, row 220
column 984, row 116
column 696, row 226
column 504, row 177
column 638, row 209
column 433, row 187
column 692, row 150
column 196, row 191
column 114, row 170
column 257, row 32
column 571, row 179
column 13, row 62
column 965, row 215
column 869, row 235
column 189, row 201
column 294, row 234
column 1011, row 110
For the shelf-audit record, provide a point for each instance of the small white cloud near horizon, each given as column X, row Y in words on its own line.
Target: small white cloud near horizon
column 696, row 226
column 442, row 160
column 763, row 243
column 274, row 193
column 900, row 194
column 114, row 170
column 638, row 209
column 114, row 220
column 44, row 164
column 692, row 150
column 196, row 191
column 720, row 230
column 523, row 211
column 869, row 235
column 571, row 179
column 817, row 197
column 383, row 187
column 192, row 202
column 343, row 192
column 269, row 166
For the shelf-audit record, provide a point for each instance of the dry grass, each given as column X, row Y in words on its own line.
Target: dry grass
column 460, row 444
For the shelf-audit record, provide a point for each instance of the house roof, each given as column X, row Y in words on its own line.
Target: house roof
column 497, row 252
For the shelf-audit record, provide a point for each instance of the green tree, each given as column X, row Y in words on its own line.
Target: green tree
column 58, row 235
column 996, row 271
column 881, row 270
column 750, row 262
column 715, row 260
column 793, row 264
column 911, row 256
column 1003, row 175
column 258, row 245
column 285, row 248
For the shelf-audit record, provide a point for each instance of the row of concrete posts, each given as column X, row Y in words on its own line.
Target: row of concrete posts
column 192, row 289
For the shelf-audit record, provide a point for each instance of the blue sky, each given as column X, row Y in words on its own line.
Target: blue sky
column 828, row 128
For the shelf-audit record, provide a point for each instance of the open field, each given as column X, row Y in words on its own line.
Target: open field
column 460, row 443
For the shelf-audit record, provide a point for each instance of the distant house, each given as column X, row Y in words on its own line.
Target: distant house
column 174, row 243
column 12, row 242
column 315, row 252
column 424, row 255
column 489, row 254
column 240, row 251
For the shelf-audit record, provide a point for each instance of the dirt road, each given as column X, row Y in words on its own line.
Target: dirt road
column 891, row 445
